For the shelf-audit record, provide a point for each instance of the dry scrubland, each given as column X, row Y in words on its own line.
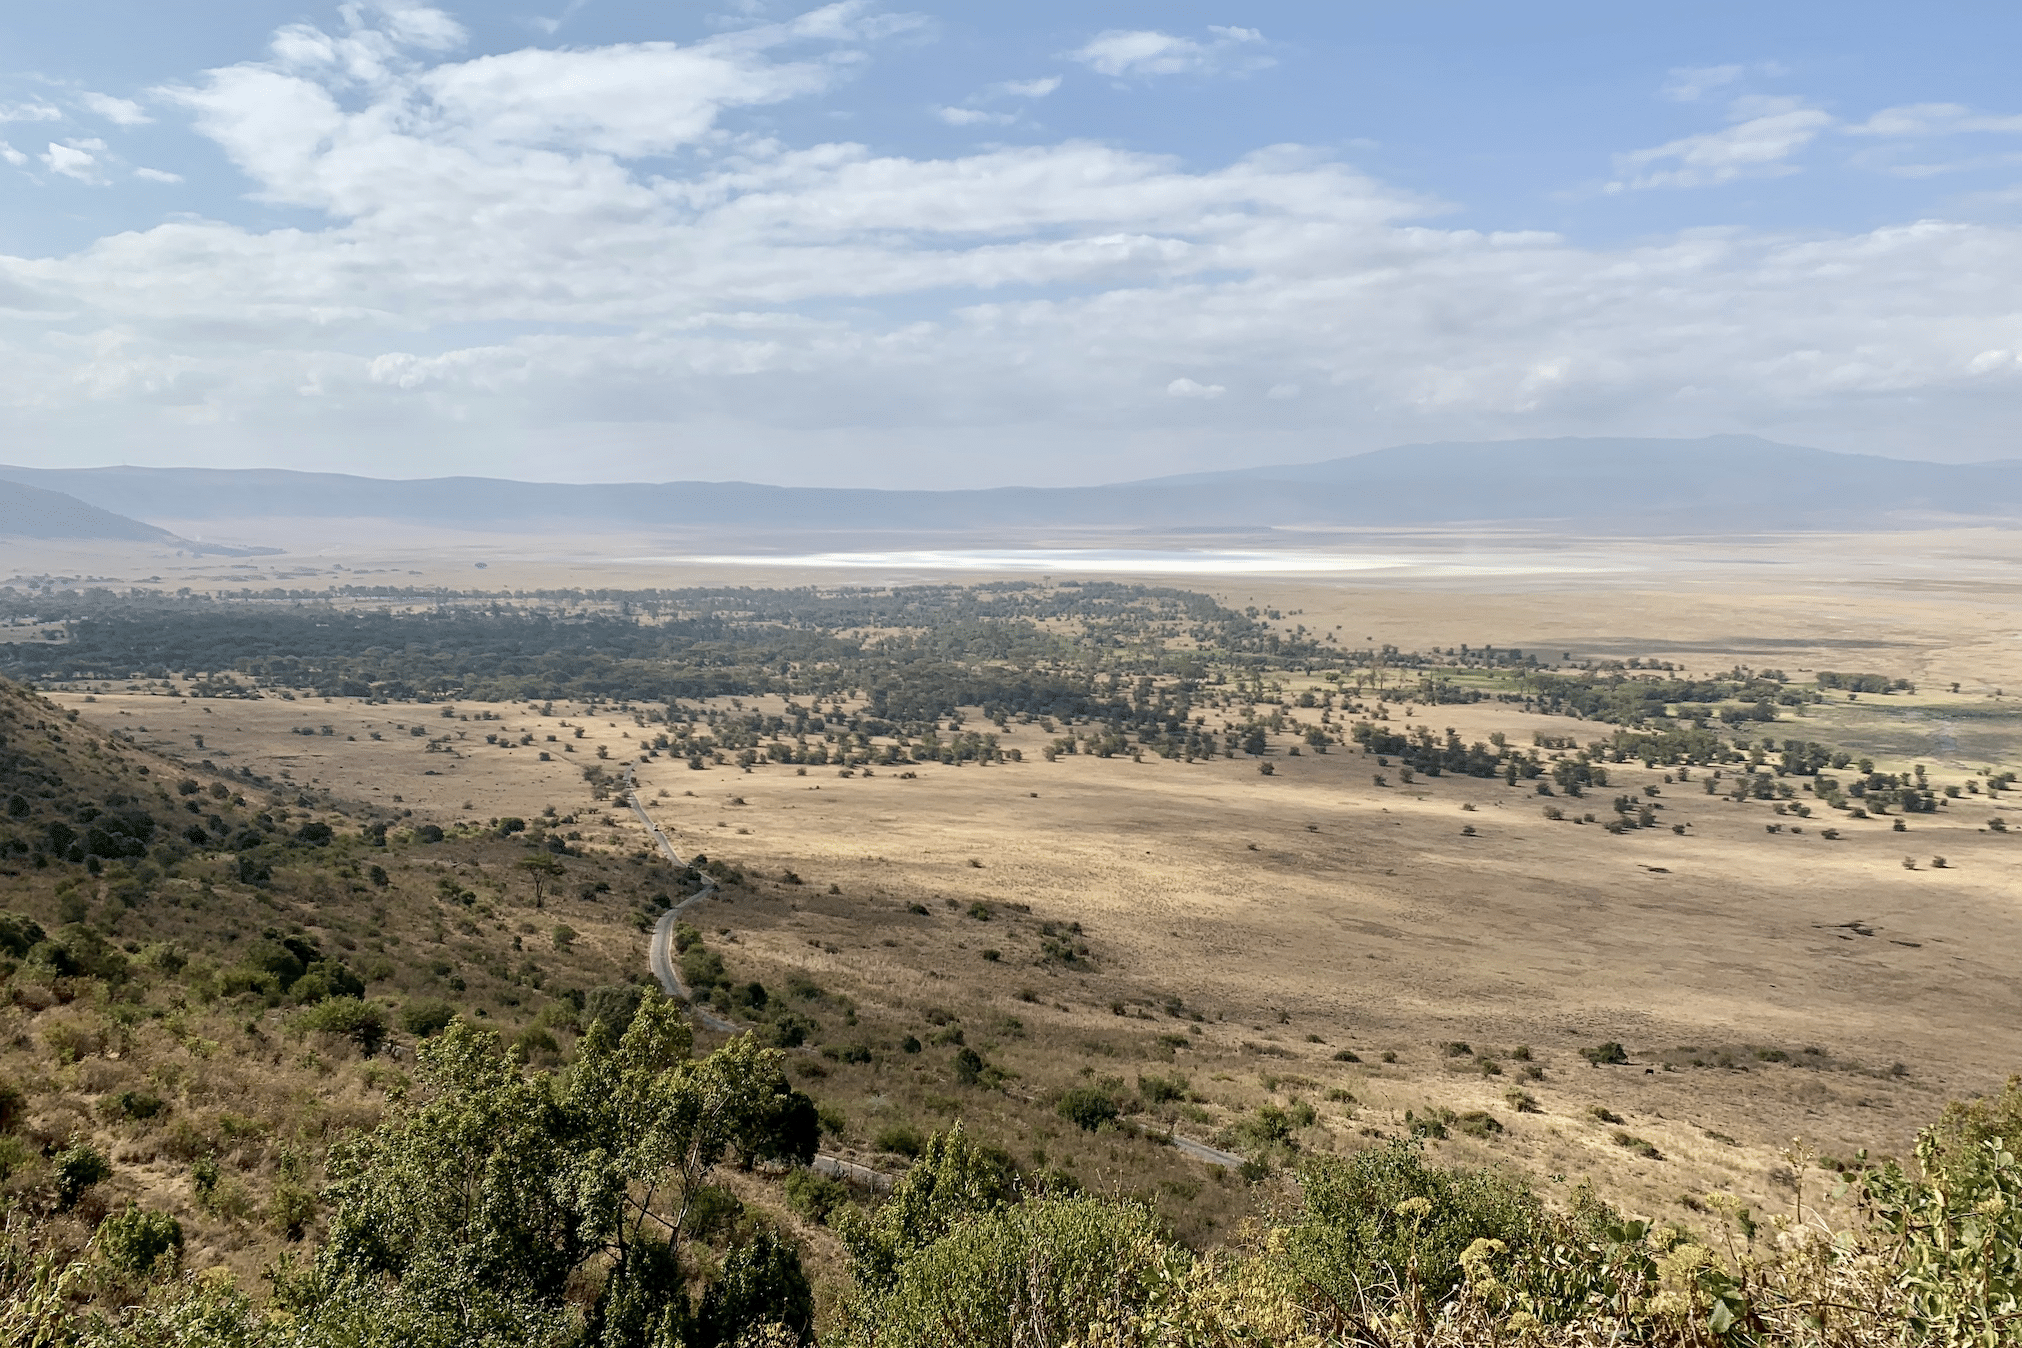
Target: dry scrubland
column 1296, row 915
column 1202, row 939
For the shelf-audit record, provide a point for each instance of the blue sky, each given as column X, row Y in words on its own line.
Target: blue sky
column 979, row 244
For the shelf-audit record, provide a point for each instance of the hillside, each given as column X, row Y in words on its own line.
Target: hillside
column 35, row 512
column 210, row 976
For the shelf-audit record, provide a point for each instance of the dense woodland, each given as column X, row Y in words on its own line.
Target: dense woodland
column 381, row 1071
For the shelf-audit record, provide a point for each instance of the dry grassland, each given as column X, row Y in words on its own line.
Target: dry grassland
column 1768, row 986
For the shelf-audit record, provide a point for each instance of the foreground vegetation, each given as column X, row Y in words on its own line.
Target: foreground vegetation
column 502, row 1206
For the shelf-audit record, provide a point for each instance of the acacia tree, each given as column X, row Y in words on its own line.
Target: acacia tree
column 541, row 868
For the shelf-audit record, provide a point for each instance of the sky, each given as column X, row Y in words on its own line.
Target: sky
column 970, row 244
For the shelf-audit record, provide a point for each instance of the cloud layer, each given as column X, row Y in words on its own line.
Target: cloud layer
column 579, row 263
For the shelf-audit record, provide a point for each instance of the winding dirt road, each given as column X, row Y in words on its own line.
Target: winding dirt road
column 660, row 951
column 661, row 954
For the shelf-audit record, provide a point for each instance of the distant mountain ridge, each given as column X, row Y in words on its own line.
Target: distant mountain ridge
column 1709, row 484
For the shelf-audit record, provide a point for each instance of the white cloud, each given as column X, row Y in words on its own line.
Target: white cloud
column 154, row 175
column 1688, row 84
column 30, row 112
column 501, row 282
column 12, row 155
column 553, row 25
column 1932, row 119
column 1126, row 52
column 1038, row 88
column 1766, row 133
column 974, row 117
column 119, row 111
column 78, row 159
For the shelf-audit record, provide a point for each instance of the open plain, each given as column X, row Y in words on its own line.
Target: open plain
column 1414, row 947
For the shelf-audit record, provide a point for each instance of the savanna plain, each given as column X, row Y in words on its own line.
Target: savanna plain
column 1454, row 952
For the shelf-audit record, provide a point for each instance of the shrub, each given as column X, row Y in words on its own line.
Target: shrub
column 615, row 1004
column 974, row 1282
column 1478, row 1123
column 901, row 1139
column 291, row 1209
column 1160, row 1090
column 1347, row 1055
column 1637, row 1145
column 761, row 1288
column 1603, row 1114
column 426, row 1016
column 1382, row 1217
column 76, row 1169
column 1608, row 1053
column 133, row 1105
column 791, row 1029
column 535, row 1044
column 814, row 1196
column 139, row 1241
column 359, row 1021
column 1088, row 1108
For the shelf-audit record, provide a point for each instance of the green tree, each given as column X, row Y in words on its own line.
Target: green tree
column 952, row 1181
column 1042, row 1271
column 490, row 1187
column 541, row 868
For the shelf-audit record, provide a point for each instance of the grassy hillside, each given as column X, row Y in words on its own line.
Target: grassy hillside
column 207, row 982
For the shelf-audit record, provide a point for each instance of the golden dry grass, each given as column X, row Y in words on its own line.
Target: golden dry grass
column 1311, row 911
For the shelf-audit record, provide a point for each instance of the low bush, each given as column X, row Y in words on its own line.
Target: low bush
column 359, row 1021
column 1088, row 1108
column 812, row 1196
column 139, row 1241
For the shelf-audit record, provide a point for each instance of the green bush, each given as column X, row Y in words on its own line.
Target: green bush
column 1605, row 1054
column 535, row 1044
column 363, row 1023
column 426, row 1016
column 1369, row 1218
column 139, row 1241
column 761, row 1283
column 814, row 1196
column 614, row 1005
column 76, row 1169
column 133, row 1105
column 1088, row 1108
column 901, row 1139
column 291, row 1209
column 976, row 1284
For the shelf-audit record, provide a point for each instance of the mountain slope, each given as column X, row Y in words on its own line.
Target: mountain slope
column 1718, row 482
column 35, row 512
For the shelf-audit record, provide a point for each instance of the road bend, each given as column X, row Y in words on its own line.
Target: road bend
column 660, row 950
column 660, row 953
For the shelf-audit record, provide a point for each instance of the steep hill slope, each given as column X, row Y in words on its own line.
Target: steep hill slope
column 35, row 512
